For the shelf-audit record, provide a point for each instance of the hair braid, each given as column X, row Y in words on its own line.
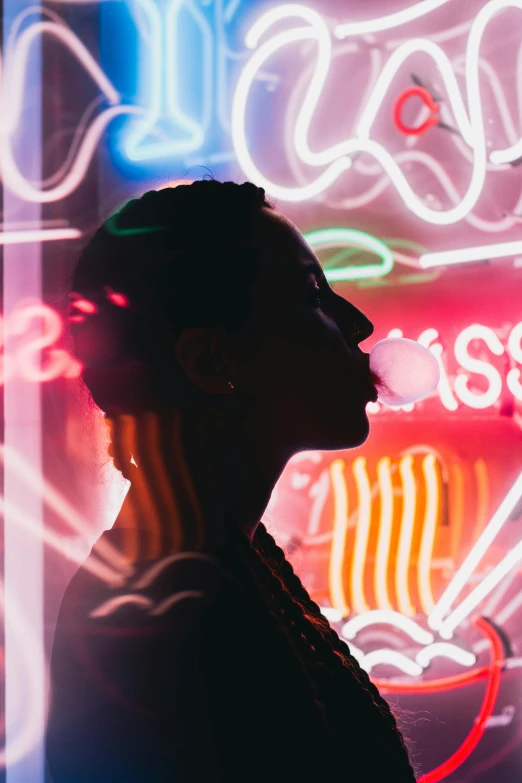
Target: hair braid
column 334, row 652
column 267, row 585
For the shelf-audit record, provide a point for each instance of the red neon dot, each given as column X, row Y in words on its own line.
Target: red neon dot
column 428, row 100
column 120, row 300
column 84, row 306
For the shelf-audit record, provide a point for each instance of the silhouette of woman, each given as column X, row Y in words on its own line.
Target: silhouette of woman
column 217, row 350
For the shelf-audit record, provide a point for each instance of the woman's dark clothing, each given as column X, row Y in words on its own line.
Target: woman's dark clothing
column 191, row 684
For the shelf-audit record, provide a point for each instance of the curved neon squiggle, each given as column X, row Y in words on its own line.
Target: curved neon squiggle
column 445, row 650
column 392, row 658
column 384, row 617
column 326, row 238
column 113, row 604
column 338, row 158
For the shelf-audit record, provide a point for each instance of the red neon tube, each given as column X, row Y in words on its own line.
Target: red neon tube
column 427, row 99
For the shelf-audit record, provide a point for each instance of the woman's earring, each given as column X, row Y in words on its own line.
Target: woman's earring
column 231, row 386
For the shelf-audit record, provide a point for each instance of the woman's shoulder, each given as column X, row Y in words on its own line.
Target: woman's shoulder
column 167, row 589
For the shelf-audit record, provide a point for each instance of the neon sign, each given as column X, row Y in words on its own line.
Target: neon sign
column 26, row 359
column 161, row 26
column 35, row 356
column 346, row 237
column 379, row 582
column 168, row 128
column 266, row 39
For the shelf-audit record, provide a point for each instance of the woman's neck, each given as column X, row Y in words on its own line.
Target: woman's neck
column 214, row 469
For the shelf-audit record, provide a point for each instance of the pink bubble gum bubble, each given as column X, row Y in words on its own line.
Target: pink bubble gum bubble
column 409, row 372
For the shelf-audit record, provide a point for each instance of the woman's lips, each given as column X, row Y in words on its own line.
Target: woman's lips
column 371, row 392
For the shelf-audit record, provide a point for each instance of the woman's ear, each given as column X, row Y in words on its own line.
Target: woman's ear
column 200, row 354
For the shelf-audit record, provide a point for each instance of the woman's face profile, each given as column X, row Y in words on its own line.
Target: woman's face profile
column 302, row 367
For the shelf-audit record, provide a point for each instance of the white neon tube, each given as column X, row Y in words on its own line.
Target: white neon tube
column 415, row 11
column 337, row 158
column 467, row 254
column 445, row 650
column 26, row 668
column 384, row 617
column 483, row 589
column 38, row 235
column 392, row 658
column 460, row 579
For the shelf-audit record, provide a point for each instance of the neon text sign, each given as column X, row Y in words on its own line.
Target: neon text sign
column 462, row 392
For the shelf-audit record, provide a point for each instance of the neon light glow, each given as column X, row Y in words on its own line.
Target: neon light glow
column 336, row 567
column 475, row 555
column 384, row 617
column 474, row 400
column 59, row 362
column 415, row 11
column 470, row 603
column 429, row 470
column 362, row 532
column 445, row 650
column 438, row 685
column 392, row 658
column 515, row 349
column 486, row 709
column 40, row 235
column 346, row 237
column 338, row 159
column 35, row 482
column 385, row 528
column 72, row 173
column 405, row 537
column 401, row 546
column 428, row 101
column 467, row 254
column 161, row 84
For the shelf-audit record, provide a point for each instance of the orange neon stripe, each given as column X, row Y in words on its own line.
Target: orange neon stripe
column 429, row 469
column 362, row 532
column 338, row 548
column 457, row 511
column 402, row 567
column 481, row 476
column 146, row 508
column 187, row 482
column 385, row 529
column 172, row 523
column 142, row 452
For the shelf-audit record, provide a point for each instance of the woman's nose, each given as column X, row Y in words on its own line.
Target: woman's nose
column 355, row 325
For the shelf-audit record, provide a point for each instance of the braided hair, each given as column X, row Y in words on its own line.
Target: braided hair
column 173, row 259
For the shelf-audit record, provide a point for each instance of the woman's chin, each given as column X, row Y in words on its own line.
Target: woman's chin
column 350, row 433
